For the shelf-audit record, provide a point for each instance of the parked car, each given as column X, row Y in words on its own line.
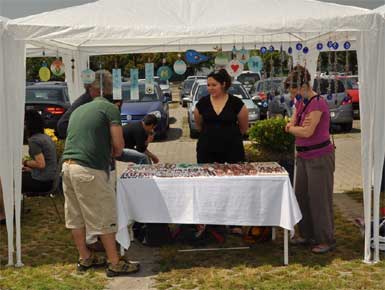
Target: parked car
column 155, row 103
column 248, row 79
column 236, row 89
column 184, row 91
column 186, row 87
column 352, row 88
column 50, row 99
column 264, row 90
column 164, row 87
column 339, row 102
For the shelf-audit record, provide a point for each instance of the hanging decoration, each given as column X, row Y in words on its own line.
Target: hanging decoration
column 290, row 50
column 234, row 52
column 57, row 67
column 329, row 44
column 255, row 64
column 319, row 46
column 117, row 84
column 271, row 48
column 263, row 49
column 305, row 50
column 347, row 45
column 149, row 76
column 194, row 57
column 299, row 46
column 329, row 90
column 221, row 59
column 243, row 55
column 234, row 68
column 44, row 73
column 87, row 76
column 134, row 84
column 164, row 72
column 73, row 69
column 335, row 45
column 180, row 67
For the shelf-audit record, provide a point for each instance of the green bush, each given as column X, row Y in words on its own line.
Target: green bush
column 270, row 135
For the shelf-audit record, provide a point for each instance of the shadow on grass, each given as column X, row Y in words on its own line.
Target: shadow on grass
column 349, row 247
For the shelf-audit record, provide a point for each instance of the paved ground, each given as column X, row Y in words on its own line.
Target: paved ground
column 180, row 148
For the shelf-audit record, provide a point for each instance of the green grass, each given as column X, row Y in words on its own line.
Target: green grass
column 50, row 257
column 48, row 253
column 261, row 266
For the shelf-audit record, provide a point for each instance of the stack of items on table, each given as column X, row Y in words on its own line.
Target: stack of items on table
column 202, row 170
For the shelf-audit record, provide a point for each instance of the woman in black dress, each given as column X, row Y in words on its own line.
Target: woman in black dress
column 222, row 120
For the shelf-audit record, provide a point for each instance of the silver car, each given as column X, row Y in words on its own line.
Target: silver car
column 236, row 89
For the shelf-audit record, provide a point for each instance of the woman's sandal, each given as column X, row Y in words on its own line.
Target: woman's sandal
column 299, row 241
column 322, row 249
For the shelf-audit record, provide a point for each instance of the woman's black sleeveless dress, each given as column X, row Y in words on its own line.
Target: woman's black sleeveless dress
column 220, row 139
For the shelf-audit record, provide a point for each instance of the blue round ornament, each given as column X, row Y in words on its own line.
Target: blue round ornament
column 347, row 45
column 263, row 49
column 335, row 45
column 282, row 99
column 320, row 46
column 265, row 104
column 306, row 101
column 164, row 73
column 271, row 48
column 305, row 50
column 299, row 46
column 291, row 103
column 298, row 97
column 329, row 97
column 330, row 44
column 290, row 50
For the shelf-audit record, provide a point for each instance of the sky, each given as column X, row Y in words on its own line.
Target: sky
column 20, row 8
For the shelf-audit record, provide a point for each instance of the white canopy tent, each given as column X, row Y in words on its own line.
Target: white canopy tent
column 118, row 26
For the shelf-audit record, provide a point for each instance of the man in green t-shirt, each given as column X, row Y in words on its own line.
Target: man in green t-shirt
column 94, row 136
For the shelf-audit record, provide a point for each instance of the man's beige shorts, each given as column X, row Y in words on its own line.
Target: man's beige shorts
column 90, row 199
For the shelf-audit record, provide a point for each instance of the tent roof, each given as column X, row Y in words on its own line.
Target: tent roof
column 143, row 25
column 380, row 10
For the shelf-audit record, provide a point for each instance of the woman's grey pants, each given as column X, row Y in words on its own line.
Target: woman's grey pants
column 314, row 191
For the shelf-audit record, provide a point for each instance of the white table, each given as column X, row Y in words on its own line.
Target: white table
column 220, row 200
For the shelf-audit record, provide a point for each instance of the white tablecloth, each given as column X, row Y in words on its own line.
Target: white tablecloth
column 226, row 200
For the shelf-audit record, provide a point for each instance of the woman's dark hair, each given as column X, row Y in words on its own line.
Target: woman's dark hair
column 221, row 77
column 34, row 123
column 150, row 119
column 297, row 77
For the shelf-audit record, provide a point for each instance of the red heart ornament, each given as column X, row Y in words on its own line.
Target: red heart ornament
column 235, row 67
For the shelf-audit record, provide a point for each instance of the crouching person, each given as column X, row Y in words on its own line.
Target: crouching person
column 94, row 131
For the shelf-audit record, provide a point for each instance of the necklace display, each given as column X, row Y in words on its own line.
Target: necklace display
column 203, row 170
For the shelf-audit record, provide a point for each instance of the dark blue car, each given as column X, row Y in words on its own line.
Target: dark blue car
column 148, row 103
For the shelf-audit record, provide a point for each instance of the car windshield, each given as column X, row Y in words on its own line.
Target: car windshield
column 44, row 95
column 267, row 86
column 162, row 82
column 328, row 86
column 248, row 78
column 143, row 96
column 350, row 83
column 188, row 84
column 235, row 90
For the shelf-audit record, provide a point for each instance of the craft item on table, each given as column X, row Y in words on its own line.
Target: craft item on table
column 234, row 68
column 202, row 170
column 194, row 57
column 57, row 67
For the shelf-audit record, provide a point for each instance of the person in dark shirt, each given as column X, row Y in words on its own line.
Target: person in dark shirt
column 137, row 136
column 62, row 124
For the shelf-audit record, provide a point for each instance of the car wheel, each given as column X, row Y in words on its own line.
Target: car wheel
column 347, row 127
column 194, row 134
column 184, row 104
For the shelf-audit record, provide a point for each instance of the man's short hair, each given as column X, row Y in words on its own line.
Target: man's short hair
column 150, row 119
column 106, row 77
